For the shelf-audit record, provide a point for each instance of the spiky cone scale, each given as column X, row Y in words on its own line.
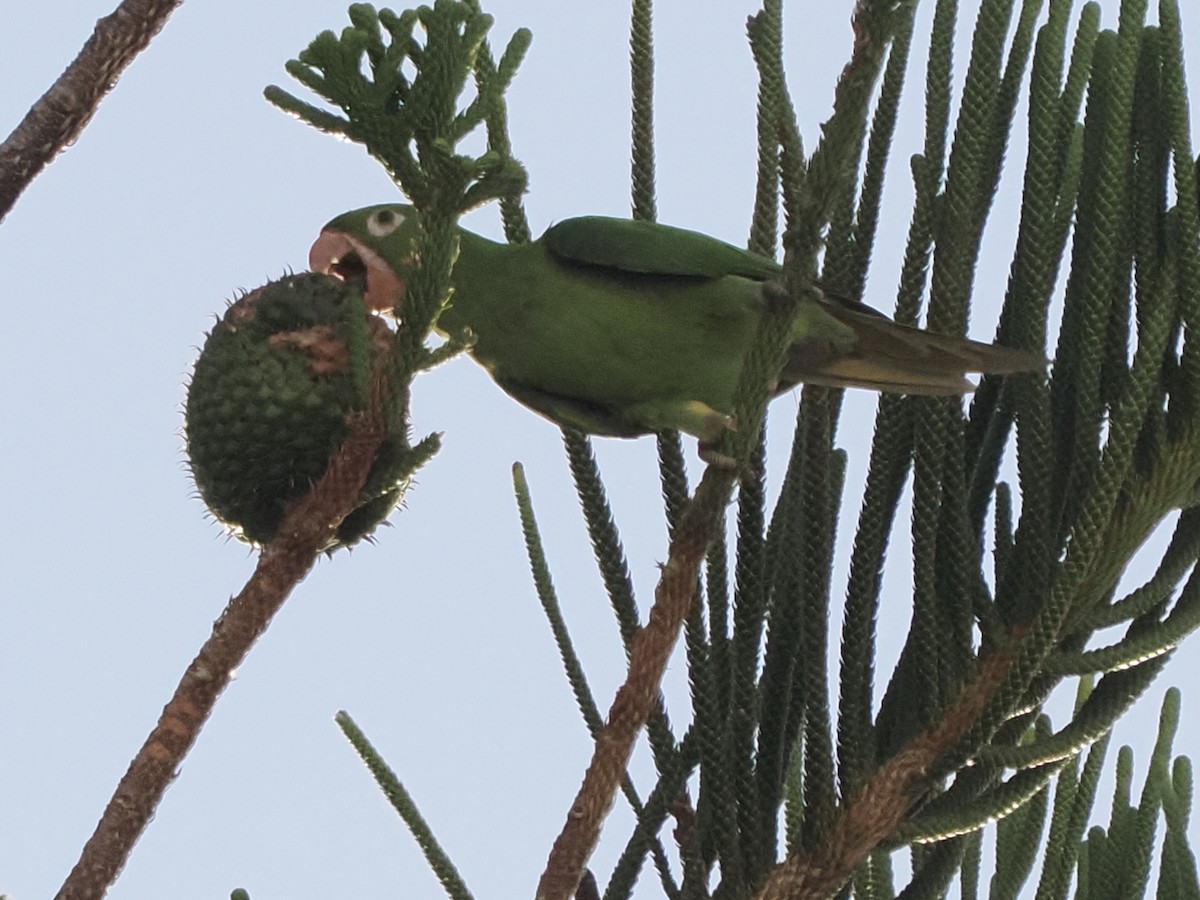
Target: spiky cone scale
column 268, row 401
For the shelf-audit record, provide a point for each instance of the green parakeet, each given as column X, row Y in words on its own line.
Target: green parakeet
column 622, row 328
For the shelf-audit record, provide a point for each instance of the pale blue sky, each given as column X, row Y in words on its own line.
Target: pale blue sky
column 188, row 186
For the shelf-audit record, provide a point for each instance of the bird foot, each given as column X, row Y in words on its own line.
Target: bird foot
column 692, row 417
column 711, row 455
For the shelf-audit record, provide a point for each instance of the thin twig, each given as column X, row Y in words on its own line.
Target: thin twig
column 638, row 696
column 60, row 114
column 306, row 530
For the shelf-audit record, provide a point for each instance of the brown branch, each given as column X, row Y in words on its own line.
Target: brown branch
column 60, row 114
column 639, row 695
column 305, row 531
column 880, row 805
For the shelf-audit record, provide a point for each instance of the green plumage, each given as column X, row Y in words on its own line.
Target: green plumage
column 623, row 328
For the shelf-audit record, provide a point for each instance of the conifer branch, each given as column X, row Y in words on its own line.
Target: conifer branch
column 636, row 698
column 306, row 530
column 882, row 802
column 60, row 115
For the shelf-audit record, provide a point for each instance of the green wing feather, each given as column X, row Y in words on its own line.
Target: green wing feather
column 647, row 248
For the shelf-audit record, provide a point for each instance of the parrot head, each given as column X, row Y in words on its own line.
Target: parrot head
column 374, row 248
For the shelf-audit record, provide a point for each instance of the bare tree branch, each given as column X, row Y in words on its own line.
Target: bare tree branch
column 60, row 114
column 638, row 696
column 307, row 528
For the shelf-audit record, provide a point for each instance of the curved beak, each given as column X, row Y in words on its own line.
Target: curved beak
column 337, row 253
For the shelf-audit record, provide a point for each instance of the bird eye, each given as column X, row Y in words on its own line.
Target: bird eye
column 384, row 222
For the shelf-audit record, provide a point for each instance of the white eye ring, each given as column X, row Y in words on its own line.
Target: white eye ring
column 384, row 222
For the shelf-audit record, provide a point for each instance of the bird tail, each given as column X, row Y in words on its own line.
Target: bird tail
column 887, row 356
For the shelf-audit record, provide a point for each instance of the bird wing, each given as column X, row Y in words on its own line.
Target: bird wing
column 647, row 248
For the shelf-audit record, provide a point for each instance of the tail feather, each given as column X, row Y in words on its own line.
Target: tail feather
column 887, row 356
